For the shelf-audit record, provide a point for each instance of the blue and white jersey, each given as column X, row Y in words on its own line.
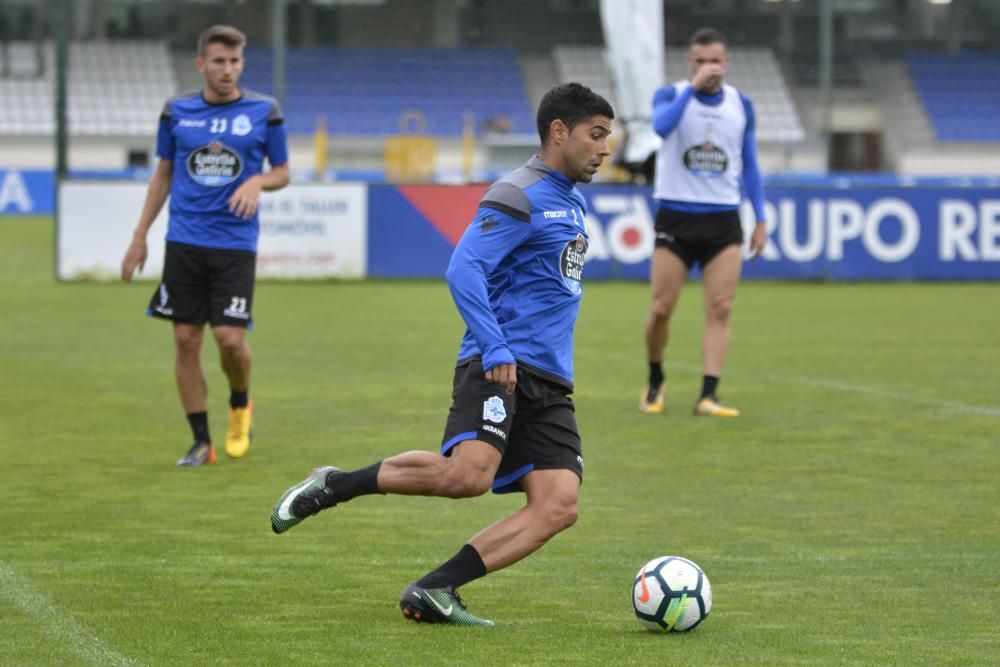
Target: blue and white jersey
column 515, row 273
column 709, row 150
column 214, row 149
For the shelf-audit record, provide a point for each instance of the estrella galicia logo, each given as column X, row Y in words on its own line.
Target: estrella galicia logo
column 493, row 410
column 214, row 164
column 571, row 263
column 706, row 159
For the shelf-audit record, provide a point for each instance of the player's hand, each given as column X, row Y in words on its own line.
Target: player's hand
column 243, row 203
column 708, row 77
column 505, row 374
column 135, row 258
column 758, row 239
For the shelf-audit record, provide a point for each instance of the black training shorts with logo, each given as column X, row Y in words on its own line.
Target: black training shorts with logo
column 697, row 237
column 205, row 285
column 534, row 429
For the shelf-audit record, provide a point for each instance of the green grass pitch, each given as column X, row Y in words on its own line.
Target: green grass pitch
column 851, row 516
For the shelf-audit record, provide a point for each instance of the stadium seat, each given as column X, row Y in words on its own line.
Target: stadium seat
column 115, row 88
column 369, row 91
column 959, row 94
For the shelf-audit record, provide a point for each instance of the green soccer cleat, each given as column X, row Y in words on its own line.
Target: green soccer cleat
column 303, row 500
column 437, row 605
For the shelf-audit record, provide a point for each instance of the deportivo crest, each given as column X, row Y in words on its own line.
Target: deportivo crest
column 242, row 125
column 493, row 410
column 214, row 164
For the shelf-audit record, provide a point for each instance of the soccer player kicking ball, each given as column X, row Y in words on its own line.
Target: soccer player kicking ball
column 515, row 278
column 212, row 144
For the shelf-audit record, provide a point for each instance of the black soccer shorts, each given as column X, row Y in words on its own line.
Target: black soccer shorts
column 697, row 237
column 534, row 428
column 205, row 285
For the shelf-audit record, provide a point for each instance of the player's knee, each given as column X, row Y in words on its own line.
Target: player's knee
column 464, row 482
column 187, row 342
column 560, row 513
column 720, row 310
column 661, row 310
column 230, row 344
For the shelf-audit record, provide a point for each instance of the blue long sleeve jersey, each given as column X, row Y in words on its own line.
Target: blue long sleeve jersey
column 515, row 273
column 668, row 107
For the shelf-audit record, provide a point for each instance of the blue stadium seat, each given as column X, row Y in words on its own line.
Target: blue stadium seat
column 959, row 93
column 368, row 90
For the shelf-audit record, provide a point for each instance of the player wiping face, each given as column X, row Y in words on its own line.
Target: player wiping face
column 708, row 63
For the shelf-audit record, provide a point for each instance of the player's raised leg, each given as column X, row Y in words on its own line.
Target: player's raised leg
column 666, row 276
column 721, row 276
column 467, row 472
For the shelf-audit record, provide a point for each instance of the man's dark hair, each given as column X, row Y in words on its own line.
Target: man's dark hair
column 706, row 36
column 571, row 103
column 221, row 34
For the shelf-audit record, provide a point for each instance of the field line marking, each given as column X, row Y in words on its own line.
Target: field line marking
column 953, row 406
column 62, row 626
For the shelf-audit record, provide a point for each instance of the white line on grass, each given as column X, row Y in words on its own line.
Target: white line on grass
column 954, row 406
column 951, row 406
column 60, row 625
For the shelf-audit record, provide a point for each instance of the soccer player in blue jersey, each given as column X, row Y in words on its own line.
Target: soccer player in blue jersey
column 709, row 146
column 515, row 278
column 212, row 144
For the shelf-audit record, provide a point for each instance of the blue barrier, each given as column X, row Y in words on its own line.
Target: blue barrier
column 828, row 229
column 27, row 191
column 872, row 233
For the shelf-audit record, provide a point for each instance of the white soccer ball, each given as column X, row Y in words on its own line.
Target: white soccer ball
column 671, row 593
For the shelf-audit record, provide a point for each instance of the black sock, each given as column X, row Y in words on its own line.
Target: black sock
column 463, row 567
column 709, row 384
column 199, row 426
column 347, row 485
column 239, row 399
column 656, row 376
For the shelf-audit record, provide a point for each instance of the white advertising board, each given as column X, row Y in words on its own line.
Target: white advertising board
column 306, row 231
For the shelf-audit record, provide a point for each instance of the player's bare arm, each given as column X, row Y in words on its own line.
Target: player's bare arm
column 758, row 239
column 244, row 201
column 156, row 197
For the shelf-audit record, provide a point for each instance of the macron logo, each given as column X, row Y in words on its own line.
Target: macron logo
column 555, row 214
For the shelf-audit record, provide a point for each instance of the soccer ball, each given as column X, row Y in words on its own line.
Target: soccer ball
column 671, row 594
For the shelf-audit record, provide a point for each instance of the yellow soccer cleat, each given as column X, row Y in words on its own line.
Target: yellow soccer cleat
column 240, row 431
column 651, row 400
column 709, row 407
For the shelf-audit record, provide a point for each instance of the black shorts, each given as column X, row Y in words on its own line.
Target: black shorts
column 534, row 429
column 205, row 285
column 697, row 237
